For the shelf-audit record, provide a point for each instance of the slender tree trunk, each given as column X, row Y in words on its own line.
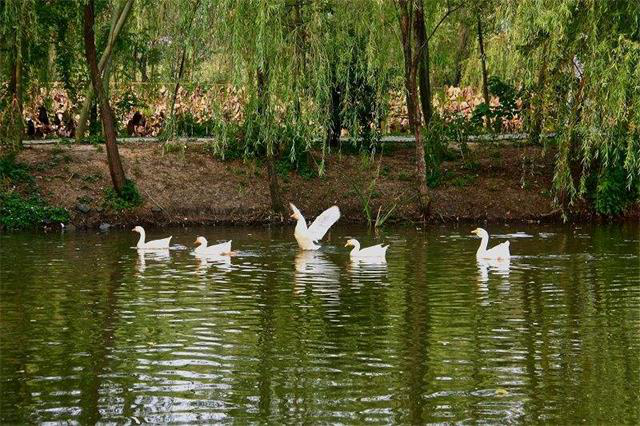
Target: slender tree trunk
column 536, row 124
column 120, row 16
column 271, row 153
column 178, row 78
column 106, row 114
column 18, row 67
column 143, row 68
column 483, row 61
column 424, row 67
column 411, row 60
column 12, row 131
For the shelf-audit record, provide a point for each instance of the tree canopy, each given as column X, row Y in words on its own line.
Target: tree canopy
column 304, row 73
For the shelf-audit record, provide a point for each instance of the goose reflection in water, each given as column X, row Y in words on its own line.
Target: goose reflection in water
column 368, row 269
column 499, row 268
column 220, row 261
column 312, row 267
column 159, row 256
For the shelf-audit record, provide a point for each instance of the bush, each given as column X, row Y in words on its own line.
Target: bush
column 437, row 150
column 129, row 198
column 506, row 110
column 17, row 212
column 612, row 194
column 128, row 103
column 14, row 172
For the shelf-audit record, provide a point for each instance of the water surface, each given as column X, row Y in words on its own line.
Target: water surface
column 91, row 331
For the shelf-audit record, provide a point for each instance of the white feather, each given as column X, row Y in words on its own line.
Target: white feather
column 321, row 225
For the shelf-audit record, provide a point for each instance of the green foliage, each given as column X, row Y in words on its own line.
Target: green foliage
column 13, row 172
column 366, row 192
column 18, row 211
column 127, row 103
column 436, row 141
column 129, row 197
column 302, row 68
column 506, row 110
column 612, row 194
column 187, row 125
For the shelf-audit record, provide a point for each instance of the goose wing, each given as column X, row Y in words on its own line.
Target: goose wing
column 500, row 251
column 158, row 244
column 374, row 251
column 321, row 225
column 218, row 248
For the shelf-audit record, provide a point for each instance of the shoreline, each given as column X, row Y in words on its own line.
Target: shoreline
column 499, row 184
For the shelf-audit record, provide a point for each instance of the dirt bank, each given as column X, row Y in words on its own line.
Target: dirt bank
column 498, row 184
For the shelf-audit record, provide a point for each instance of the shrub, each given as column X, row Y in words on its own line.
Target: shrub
column 506, row 110
column 612, row 194
column 128, row 198
column 17, row 212
column 13, row 171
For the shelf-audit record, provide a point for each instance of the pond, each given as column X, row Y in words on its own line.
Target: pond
column 91, row 331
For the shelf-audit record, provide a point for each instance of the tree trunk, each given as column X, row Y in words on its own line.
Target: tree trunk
column 12, row 131
column 143, row 68
column 536, row 125
column 483, row 61
column 424, row 71
column 106, row 114
column 411, row 61
column 121, row 15
column 271, row 153
column 178, row 78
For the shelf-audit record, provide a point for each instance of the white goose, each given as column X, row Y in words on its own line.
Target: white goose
column 215, row 250
column 150, row 245
column 377, row 251
column 499, row 252
column 308, row 236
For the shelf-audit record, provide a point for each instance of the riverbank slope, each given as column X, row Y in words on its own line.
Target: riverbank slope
column 492, row 183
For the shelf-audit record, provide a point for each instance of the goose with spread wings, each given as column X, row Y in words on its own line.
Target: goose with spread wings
column 307, row 237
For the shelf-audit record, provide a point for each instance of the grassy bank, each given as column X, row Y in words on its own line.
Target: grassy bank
column 495, row 184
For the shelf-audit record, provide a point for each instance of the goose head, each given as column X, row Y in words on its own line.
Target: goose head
column 138, row 229
column 200, row 241
column 351, row 243
column 480, row 233
column 296, row 213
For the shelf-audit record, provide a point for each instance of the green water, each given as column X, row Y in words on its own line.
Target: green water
column 93, row 332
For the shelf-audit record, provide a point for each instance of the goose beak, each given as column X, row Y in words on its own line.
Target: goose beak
column 195, row 242
column 475, row 231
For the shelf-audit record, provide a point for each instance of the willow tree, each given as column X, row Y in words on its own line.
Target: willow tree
column 262, row 55
column 581, row 63
column 353, row 60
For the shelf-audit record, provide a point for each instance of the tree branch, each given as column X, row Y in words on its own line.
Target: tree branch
column 449, row 11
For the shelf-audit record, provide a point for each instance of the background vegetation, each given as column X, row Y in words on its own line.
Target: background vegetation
column 276, row 80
